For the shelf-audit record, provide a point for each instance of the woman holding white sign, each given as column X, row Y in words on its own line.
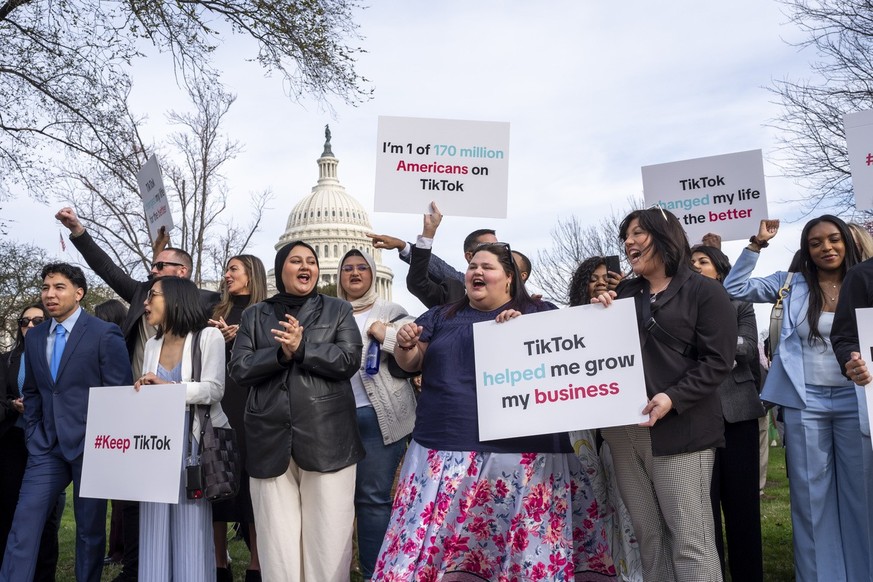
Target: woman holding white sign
column 485, row 510
column 829, row 504
column 688, row 335
column 175, row 540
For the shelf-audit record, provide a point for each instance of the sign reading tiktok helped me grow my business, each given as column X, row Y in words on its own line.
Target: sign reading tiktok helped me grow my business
column 561, row 370
column 461, row 165
column 134, row 442
column 721, row 194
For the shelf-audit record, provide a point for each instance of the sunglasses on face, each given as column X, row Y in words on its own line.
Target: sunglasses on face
column 159, row 266
column 152, row 294
column 360, row 268
column 26, row 321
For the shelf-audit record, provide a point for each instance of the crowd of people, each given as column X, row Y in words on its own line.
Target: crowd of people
column 342, row 449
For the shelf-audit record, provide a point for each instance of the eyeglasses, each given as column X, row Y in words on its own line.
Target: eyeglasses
column 26, row 321
column 159, row 266
column 659, row 207
column 152, row 294
column 360, row 268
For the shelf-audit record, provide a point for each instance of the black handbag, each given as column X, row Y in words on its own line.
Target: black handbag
column 220, row 462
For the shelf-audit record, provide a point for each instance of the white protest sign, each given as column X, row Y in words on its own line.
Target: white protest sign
column 859, row 141
column 134, row 442
column 722, row 194
column 154, row 197
column 461, row 165
column 864, row 317
column 562, row 370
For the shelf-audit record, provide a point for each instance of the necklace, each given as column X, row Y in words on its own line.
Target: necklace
column 836, row 291
column 654, row 294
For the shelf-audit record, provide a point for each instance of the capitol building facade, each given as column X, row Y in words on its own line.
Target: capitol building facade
column 333, row 222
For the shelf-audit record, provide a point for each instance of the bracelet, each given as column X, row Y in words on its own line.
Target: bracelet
column 756, row 241
column 406, row 349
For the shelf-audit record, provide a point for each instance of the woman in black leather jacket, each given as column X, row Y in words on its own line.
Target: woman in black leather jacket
column 297, row 351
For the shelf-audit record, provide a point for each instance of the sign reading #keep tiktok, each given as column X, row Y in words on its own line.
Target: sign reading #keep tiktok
column 134, row 442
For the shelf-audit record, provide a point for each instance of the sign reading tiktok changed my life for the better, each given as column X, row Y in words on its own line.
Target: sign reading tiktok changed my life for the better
column 561, row 370
column 134, row 442
column 720, row 194
column 462, row 165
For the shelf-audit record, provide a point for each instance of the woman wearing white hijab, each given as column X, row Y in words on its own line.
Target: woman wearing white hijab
column 385, row 404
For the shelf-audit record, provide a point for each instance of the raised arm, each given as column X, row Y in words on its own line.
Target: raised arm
column 97, row 259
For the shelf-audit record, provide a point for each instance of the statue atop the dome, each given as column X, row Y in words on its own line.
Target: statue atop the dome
column 327, row 151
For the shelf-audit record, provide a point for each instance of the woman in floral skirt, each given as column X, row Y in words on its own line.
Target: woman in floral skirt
column 465, row 509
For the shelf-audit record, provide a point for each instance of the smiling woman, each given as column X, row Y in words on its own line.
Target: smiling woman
column 688, row 333
column 520, row 508
column 296, row 351
column 830, row 506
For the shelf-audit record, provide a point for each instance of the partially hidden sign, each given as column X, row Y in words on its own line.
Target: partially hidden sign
column 721, row 194
column 859, row 140
column 154, row 197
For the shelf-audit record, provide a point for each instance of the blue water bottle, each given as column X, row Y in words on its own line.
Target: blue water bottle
column 373, row 356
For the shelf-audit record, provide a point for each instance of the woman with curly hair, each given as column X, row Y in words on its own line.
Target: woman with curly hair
column 590, row 279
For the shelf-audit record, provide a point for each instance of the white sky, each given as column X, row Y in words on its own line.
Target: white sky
column 592, row 90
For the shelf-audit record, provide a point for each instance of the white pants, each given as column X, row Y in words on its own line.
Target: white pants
column 304, row 521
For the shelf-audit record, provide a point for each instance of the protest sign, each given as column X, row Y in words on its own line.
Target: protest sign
column 859, row 140
column 461, row 165
column 562, row 370
column 134, row 442
column 154, row 197
column 721, row 194
column 864, row 317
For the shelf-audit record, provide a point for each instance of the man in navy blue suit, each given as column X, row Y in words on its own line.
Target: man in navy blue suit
column 63, row 357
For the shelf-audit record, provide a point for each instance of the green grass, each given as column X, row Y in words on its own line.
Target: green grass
column 775, row 531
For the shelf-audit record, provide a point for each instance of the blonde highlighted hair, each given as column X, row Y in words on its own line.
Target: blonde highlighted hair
column 257, row 275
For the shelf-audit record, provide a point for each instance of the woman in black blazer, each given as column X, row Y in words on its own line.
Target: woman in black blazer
column 688, row 337
column 13, row 451
column 735, row 475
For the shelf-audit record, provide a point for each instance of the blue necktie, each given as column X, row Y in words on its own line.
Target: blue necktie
column 58, row 350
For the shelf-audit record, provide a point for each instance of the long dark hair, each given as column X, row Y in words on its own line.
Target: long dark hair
column 667, row 236
column 183, row 312
column 578, row 292
column 718, row 259
column 18, row 346
column 808, row 269
column 520, row 300
column 257, row 275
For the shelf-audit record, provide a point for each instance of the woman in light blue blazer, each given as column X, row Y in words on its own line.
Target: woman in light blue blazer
column 822, row 428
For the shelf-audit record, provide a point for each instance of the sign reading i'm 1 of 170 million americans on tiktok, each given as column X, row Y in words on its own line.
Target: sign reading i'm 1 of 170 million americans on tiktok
column 461, row 165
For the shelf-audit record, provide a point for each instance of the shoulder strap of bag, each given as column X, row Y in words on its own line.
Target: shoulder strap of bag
column 776, row 315
column 654, row 329
column 196, row 371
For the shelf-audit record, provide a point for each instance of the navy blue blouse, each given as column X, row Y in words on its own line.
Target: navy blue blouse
column 446, row 416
